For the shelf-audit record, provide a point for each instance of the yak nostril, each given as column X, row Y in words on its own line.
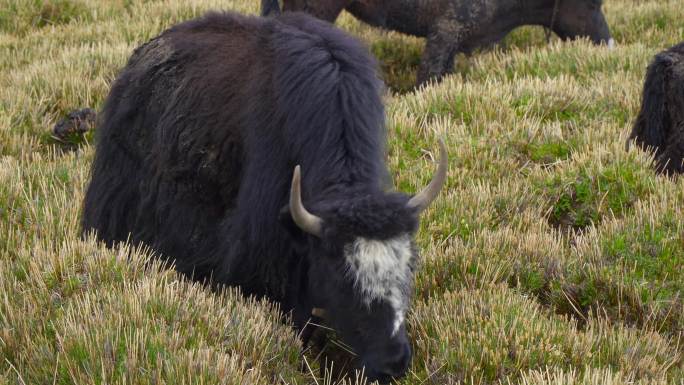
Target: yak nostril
column 397, row 365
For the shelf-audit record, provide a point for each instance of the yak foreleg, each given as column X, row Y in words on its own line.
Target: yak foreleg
column 671, row 157
column 440, row 49
column 333, row 9
column 270, row 7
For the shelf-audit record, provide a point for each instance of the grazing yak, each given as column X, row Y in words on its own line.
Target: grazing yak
column 660, row 124
column 250, row 151
column 453, row 26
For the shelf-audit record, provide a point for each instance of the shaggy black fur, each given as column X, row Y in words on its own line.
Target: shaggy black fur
column 196, row 149
column 660, row 124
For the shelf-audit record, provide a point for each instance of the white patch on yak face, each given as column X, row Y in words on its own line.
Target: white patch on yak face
column 383, row 270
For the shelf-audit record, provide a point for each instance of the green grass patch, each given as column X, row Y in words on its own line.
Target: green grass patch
column 22, row 16
column 650, row 259
column 586, row 197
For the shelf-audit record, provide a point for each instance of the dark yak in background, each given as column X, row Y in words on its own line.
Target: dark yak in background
column 453, row 26
column 195, row 154
column 76, row 123
column 660, row 124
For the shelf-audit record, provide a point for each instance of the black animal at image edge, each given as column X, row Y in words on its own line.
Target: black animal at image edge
column 660, row 123
column 453, row 26
column 195, row 154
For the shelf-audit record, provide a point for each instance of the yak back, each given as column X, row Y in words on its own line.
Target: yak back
column 201, row 131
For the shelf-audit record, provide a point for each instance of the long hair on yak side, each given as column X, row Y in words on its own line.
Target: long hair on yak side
column 652, row 125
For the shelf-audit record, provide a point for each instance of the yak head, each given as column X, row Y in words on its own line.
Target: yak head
column 361, row 266
column 571, row 19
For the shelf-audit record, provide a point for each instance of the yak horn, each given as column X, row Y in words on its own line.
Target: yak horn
column 303, row 218
column 423, row 199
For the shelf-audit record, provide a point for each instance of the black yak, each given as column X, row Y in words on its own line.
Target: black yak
column 250, row 151
column 453, row 26
column 76, row 123
column 660, row 124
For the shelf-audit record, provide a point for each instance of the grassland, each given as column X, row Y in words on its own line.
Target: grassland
column 553, row 257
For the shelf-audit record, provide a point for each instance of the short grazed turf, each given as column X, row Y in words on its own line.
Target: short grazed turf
column 553, row 256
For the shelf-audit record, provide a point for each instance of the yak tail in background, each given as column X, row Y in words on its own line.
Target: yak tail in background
column 650, row 127
column 270, row 8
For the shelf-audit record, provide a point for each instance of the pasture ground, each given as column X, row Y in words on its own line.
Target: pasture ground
column 553, row 257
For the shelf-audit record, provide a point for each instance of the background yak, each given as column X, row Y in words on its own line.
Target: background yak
column 77, row 122
column 660, row 124
column 198, row 141
column 453, row 26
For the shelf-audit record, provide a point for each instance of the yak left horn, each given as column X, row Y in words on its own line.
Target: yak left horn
column 306, row 221
column 423, row 199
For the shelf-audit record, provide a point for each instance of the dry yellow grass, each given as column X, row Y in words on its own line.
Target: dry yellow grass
column 553, row 257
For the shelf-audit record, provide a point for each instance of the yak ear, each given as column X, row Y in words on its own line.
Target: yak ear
column 652, row 124
column 270, row 8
